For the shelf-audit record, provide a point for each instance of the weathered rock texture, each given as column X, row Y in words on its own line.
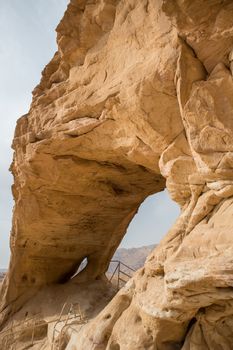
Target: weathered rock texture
column 139, row 91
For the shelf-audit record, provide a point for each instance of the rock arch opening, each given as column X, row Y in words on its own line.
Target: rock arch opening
column 155, row 216
column 123, row 206
column 152, row 221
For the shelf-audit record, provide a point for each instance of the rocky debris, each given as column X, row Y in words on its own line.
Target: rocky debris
column 139, row 92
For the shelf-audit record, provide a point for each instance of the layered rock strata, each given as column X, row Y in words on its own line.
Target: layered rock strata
column 139, row 92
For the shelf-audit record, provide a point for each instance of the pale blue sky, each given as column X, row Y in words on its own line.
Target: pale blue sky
column 27, row 43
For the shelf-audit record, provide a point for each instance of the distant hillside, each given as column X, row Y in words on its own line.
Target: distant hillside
column 133, row 257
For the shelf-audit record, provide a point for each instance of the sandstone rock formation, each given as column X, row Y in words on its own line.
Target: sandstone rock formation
column 139, row 91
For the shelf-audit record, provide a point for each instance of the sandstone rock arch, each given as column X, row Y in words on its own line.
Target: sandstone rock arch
column 138, row 92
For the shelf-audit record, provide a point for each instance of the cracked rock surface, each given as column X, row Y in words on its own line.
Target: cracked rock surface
column 138, row 97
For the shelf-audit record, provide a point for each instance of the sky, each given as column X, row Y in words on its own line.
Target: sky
column 27, row 43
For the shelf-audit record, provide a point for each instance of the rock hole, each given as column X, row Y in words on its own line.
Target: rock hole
column 81, row 267
column 107, row 317
column 24, row 278
column 191, row 323
column 138, row 319
column 77, row 268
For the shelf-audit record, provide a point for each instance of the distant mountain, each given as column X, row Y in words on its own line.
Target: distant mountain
column 133, row 257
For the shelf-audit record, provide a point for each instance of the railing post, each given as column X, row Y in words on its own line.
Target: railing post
column 118, row 271
column 118, row 278
column 9, row 339
column 33, row 331
column 12, row 335
column 58, row 320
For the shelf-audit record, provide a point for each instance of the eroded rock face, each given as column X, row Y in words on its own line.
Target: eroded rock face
column 138, row 92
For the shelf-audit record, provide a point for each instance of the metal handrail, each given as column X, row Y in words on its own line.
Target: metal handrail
column 19, row 324
column 128, row 267
column 69, row 316
column 114, row 270
column 60, row 319
column 120, row 272
column 126, row 274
